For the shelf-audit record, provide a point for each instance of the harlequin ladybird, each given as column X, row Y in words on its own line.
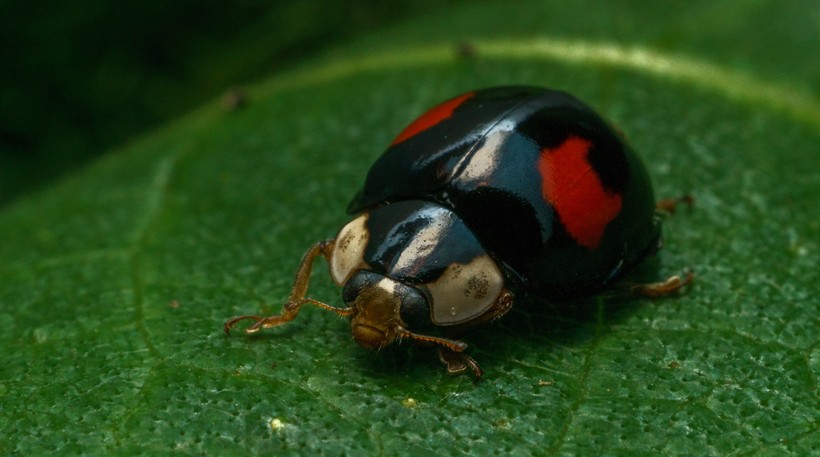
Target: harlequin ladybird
column 491, row 194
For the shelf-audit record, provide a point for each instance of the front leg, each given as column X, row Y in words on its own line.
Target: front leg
column 453, row 358
column 297, row 294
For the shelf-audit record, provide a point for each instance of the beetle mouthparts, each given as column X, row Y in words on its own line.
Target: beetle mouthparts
column 369, row 337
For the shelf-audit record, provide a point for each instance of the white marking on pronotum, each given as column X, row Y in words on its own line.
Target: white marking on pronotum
column 348, row 249
column 465, row 291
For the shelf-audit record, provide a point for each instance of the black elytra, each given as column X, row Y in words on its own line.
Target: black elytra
column 491, row 194
column 480, row 158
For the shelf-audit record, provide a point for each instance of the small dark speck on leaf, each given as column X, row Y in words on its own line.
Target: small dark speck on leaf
column 173, row 304
column 234, row 99
column 466, row 50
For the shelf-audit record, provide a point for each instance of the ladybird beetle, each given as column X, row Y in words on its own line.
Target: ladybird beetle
column 488, row 195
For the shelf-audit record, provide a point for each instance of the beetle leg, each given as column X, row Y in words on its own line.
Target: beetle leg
column 457, row 362
column 663, row 288
column 501, row 306
column 669, row 205
column 453, row 345
column 297, row 294
column 449, row 352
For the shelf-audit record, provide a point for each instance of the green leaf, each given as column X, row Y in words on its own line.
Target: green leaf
column 115, row 283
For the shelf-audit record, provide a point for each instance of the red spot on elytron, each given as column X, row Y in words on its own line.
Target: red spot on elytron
column 574, row 189
column 432, row 117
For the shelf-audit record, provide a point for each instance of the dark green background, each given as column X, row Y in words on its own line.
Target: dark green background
column 80, row 77
column 115, row 278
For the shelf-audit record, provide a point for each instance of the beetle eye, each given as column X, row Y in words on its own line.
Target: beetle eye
column 415, row 309
column 356, row 283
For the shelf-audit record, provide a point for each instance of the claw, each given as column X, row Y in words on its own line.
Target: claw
column 661, row 289
column 231, row 323
column 457, row 363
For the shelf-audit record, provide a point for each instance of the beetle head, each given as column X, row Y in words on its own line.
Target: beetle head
column 377, row 302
